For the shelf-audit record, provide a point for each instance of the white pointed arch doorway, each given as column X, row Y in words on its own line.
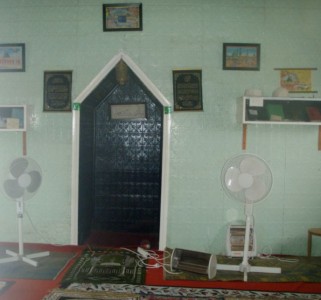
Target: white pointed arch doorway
column 165, row 143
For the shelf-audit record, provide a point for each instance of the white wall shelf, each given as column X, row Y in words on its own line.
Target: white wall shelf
column 13, row 118
column 281, row 111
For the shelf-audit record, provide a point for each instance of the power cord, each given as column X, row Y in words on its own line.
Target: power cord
column 144, row 255
column 268, row 255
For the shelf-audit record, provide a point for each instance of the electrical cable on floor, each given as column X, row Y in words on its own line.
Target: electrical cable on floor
column 152, row 255
column 265, row 255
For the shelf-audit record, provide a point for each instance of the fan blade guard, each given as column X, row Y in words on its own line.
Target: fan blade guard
column 12, row 189
column 231, row 179
column 22, row 179
column 256, row 192
column 253, row 166
column 18, row 167
column 246, row 178
column 35, row 181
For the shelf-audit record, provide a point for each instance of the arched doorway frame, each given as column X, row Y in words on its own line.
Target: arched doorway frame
column 76, row 137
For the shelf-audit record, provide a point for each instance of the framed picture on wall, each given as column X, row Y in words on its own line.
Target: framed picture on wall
column 241, row 56
column 57, row 91
column 12, row 57
column 122, row 17
column 187, row 86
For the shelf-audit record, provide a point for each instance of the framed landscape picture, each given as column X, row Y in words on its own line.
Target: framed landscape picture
column 241, row 56
column 122, row 17
column 12, row 57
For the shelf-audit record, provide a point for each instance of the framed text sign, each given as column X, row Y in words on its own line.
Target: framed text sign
column 128, row 111
column 187, row 90
column 12, row 57
column 57, row 91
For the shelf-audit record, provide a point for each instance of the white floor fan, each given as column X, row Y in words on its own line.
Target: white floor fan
column 247, row 178
column 21, row 183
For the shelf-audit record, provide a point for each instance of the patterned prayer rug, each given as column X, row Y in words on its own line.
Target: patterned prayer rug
column 185, row 292
column 106, row 265
column 63, row 294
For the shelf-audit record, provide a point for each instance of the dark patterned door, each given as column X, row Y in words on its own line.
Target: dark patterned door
column 127, row 161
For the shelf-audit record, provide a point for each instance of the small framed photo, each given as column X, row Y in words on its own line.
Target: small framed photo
column 122, row 17
column 241, row 56
column 12, row 57
column 187, row 90
column 57, row 91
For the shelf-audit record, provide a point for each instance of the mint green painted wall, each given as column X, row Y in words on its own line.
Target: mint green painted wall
column 177, row 34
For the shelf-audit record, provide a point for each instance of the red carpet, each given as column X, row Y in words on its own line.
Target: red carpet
column 37, row 289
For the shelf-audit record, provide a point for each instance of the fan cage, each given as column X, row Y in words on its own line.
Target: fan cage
column 266, row 177
column 15, row 184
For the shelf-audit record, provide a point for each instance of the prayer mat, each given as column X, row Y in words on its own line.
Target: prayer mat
column 63, row 294
column 191, row 293
column 106, row 265
column 155, row 297
column 293, row 269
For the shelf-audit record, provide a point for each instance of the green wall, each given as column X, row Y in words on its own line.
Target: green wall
column 177, row 34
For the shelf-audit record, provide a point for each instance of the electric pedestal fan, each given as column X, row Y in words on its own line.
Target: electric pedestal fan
column 247, row 178
column 20, row 184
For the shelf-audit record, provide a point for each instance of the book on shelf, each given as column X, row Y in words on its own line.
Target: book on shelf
column 314, row 113
column 275, row 112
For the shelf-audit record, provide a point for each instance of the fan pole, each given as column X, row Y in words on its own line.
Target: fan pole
column 245, row 267
column 20, row 216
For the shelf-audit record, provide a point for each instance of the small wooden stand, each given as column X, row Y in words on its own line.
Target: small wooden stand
column 244, row 136
column 24, row 143
column 319, row 139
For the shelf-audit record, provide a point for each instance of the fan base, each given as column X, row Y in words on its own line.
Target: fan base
column 248, row 268
column 25, row 258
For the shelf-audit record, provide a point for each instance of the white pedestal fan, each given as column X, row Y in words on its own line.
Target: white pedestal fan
column 247, row 178
column 22, row 182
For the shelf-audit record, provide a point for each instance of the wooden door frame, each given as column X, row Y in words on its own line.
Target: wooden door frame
column 167, row 109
